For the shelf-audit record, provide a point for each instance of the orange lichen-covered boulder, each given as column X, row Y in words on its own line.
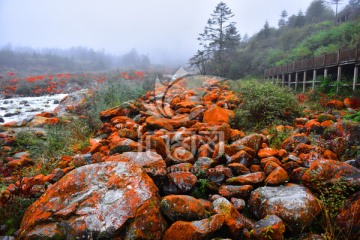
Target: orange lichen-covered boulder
column 125, row 109
column 235, row 191
column 195, row 230
column 291, row 142
column 19, row 163
column 150, row 161
column 182, row 207
column 347, row 102
column 126, row 145
column 218, row 174
column 313, row 126
column 241, row 157
column 330, row 155
column 40, row 121
column 179, row 183
column 277, row 177
column 180, row 155
column 337, row 104
column 97, row 200
column 253, row 141
column 294, row 204
column 158, row 144
column 247, row 179
column 234, row 221
column 324, row 173
column 218, row 115
column 271, row 226
column 159, row 123
column 268, row 152
column 236, row 135
column 238, row 168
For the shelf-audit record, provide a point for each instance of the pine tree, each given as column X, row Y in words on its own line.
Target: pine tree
column 282, row 21
column 218, row 35
column 266, row 30
column 300, row 19
column 318, row 11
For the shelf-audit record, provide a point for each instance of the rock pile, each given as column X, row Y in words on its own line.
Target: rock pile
column 171, row 167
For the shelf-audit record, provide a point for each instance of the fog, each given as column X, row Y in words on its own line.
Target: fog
column 164, row 30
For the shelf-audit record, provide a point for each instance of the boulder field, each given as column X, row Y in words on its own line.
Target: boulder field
column 173, row 168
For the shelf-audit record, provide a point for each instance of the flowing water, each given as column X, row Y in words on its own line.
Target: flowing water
column 20, row 108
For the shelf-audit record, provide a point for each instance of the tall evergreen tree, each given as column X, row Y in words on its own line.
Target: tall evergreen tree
column 318, row 11
column 282, row 21
column 218, row 35
column 265, row 31
column 300, row 19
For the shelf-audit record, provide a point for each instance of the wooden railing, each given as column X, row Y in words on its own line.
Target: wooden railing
column 347, row 56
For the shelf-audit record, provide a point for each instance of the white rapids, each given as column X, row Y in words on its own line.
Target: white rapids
column 22, row 108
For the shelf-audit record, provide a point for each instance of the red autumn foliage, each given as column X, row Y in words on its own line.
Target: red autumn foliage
column 355, row 102
column 301, row 97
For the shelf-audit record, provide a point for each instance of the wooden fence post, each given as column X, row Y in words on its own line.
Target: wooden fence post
column 338, row 79
column 304, row 81
column 314, row 79
column 356, row 74
column 289, row 83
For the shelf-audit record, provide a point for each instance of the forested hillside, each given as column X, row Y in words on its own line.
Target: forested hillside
column 299, row 36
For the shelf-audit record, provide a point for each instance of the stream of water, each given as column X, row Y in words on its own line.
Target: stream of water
column 18, row 109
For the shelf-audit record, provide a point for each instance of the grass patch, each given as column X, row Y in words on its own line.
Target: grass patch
column 59, row 140
column 112, row 94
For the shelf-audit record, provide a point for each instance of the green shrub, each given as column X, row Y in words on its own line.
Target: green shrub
column 334, row 88
column 264, row 104
column 353, row 116
column 332, row 199
column 12, row 213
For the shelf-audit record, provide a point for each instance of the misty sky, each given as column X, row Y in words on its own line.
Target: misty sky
column 165, row 29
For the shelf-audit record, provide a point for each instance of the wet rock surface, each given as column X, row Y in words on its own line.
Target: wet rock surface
column 294, row 204
column 96, row 200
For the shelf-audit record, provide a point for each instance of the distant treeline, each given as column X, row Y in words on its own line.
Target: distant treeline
column 76, row 59
column 316, row 31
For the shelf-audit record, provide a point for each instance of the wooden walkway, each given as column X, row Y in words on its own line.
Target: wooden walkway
column 305, row 73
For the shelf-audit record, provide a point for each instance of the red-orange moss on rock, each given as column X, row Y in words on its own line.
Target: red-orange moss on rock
column 96, row 198
column 218, row 115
